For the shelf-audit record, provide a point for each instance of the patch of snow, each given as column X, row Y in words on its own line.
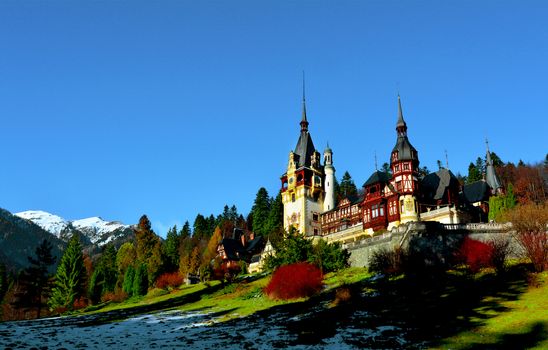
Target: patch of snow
column 52, row 223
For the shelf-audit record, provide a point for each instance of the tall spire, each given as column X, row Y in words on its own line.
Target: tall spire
column 490, row 174
column 401, row 126
column 304, row 122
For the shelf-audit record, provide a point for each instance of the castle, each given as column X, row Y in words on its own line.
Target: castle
column 387, row 199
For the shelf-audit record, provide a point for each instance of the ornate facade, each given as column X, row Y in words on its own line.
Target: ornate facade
column 386, row 199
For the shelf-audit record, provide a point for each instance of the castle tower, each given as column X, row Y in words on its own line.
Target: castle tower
column 404, row 163
column 302, row 187
column 329, row 169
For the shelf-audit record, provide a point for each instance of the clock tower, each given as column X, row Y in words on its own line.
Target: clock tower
column 302, row 185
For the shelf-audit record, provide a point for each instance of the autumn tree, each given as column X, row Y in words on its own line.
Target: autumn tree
column 70, row 277
column 125, row 258
column 529, row 222
column 35, row 279
column 149, row 249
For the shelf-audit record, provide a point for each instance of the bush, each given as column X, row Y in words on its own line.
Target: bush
column 389, row 262
column 500, row 249
column 169, row 281
column 330, row 256
column 117, row 297
column 294, row 281
column 475, row 254
column 530, row 222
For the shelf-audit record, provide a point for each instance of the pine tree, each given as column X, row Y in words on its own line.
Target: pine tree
column 3, row 282
column 200, row 227
column 70, row 277
column 185, row 231
column 171, row 248
column 105, row 275
column 386, row 169
column 260, row 212
column 474, row 174
column 34, row 280
column 127, row 285
column 275, row 224
column 347, row 187
column 149, row 249
column 140, row 280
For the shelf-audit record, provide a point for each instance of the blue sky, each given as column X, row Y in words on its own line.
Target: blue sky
column 173, row 108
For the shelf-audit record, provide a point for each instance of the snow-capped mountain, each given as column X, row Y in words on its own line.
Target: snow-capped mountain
column 52, row 223
column 98, row 231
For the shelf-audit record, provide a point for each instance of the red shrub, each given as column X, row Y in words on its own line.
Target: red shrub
column 475, row 254
column 117, row 297
column 169, row 280
column 294, row 281
column 80, row 303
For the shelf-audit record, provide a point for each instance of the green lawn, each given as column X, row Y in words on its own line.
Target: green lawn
column 524, row 323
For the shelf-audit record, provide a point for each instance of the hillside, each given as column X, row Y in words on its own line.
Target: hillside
column 19, row 239
column 20, row 233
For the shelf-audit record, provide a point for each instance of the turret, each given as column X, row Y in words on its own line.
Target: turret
column 329, row 169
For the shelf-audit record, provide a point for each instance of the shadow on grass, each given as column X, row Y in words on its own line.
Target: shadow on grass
column 538, row 332
column 108, row 316
column 414, row 312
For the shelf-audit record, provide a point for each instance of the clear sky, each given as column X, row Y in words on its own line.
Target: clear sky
column 173, row 108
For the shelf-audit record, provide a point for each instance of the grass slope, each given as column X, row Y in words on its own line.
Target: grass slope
column 453, row 310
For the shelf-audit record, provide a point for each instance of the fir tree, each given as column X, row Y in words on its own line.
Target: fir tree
column 260, row 212
column 140, row 280
column 347, row 187
column 171, row 248
column 275, row 224
column 127, row 285
column 3, row 282
column 149, row 249
column 474, row 174
column 70, row 277
column 185, row 231
column 34, row 280
column 386, row 169
column 105, row 275
column 200, row 227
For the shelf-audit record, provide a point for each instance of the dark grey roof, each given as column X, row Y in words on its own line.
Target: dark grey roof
column 476, row 191
column 304, row 150
column 377, row 176
column 400, row 122
column 405, row 149
column 256, row 245
column 490, row 174
column 233, row 248
column 435, row 184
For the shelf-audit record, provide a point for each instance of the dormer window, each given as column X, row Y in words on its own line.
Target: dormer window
column 397, row 168
column 406, row 166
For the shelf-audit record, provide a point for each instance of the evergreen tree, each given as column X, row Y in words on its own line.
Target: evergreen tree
column 149, row 249
column 171, row 248
column 423, row 171
column 386, row 169
column 275, row 224
column 474, row 174
column 260, row 212
column 347, row 187
column 127, row 286
column 185, row 231
column 34, row 280
column 70, row 277
column 104, row 276
column 329, row 256
column 200, row 227
column 3, row 282
column 495, row 159
column 140, row 280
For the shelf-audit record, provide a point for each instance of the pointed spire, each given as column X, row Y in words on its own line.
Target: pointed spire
column 401, row 126
column 446, row 160
column 488, row 155
column 304, row 122
column 376, row 167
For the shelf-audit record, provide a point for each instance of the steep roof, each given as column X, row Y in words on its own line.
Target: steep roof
column 405, row 150
column 304, row 149
column 377, row 176
column 476, row 191
column 435, row 184
column 490, row 174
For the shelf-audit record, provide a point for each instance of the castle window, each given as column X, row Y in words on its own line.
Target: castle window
column 375, row 211
column 293, row 197
column 315, row 231
column 315, row 217
column 396, row 168
column 406, row 166
column 381, row 210
column 401, row 206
